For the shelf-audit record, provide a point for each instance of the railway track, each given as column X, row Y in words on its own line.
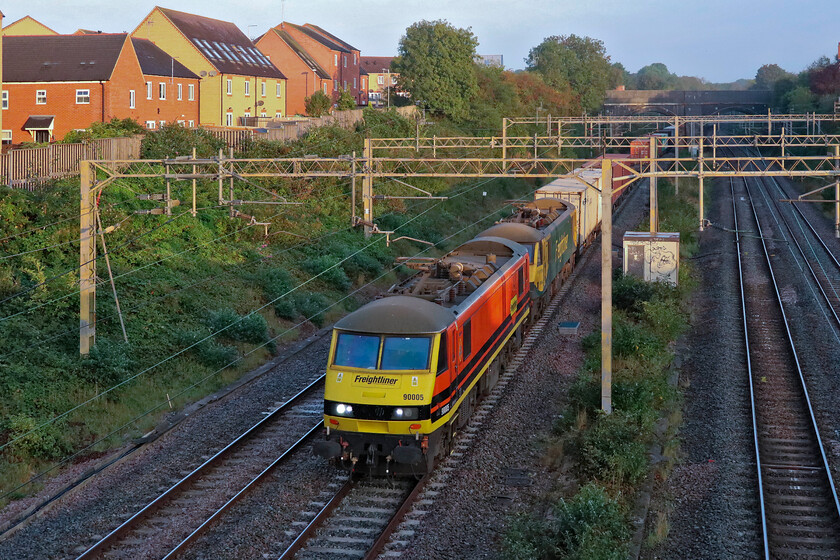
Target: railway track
column 799, row 509
column 192, row 503
column 821, row 262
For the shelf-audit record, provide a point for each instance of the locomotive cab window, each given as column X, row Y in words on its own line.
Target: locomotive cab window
column 356, row 350
column 521, row 279
column 443, row 354
column 406, row 352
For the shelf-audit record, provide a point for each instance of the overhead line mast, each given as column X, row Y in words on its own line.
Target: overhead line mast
column 505, row 156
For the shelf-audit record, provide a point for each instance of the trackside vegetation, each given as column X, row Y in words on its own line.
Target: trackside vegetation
column 204, row 298
column 589, row 519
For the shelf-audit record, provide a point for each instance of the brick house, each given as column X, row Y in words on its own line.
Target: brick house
column 380, row 77
column 237, row 80
column 27, row 25
column 304, row 76
column 340, row 61
column 55, row 84
column 350, row 67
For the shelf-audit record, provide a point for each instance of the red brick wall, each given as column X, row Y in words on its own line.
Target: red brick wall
column 301, row 81
column 324, row 55
column 107, row 101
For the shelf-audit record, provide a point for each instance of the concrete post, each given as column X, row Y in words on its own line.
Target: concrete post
column 700, row 180
column 367, row 188
column 654, row 207
column 606, row 285
column 87, row 261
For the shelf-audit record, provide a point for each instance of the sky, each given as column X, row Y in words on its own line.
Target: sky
column 718, row 40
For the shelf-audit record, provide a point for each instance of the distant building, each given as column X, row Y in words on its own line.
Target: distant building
column 380, row 77
column 490, row 60
column 304, row 74
column 55, row 84
column 27, row 26
column 86, row 32
column 237, row 80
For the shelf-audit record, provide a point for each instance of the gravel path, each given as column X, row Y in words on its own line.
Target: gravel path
column 469, row 516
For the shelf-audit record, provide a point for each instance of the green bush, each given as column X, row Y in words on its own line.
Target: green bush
column 591, row 526
column 609, row 450
column 629, row 293
column 318, row 104
column 215, row 355
column 528, row 538
column 630, row 339
column 173, row 140
column 47, row 442
column 345, row 100
column 285, row 308
column 249, row 328
column 330, row 274
column 109, row 362
column 115, row 128
column 312, row 306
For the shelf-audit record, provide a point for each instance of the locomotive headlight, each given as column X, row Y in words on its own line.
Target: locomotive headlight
column 406, row 413
column 342, row 409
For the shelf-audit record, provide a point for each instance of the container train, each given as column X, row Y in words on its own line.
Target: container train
column 406, row 371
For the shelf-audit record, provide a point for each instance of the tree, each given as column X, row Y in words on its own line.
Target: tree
column 436, row 65
column 346, row 101
column 112, row 129
column 768, row 75
column 580, row 63
column 318, row 104
column 655, row 76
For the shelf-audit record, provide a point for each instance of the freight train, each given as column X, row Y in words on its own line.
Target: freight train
column 406, row 371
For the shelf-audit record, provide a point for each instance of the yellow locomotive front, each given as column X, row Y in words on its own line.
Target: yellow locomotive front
column 380, row 382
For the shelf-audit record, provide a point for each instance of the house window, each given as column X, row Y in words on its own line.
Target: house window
column 335, row 59
column 162, row 124
column 162, row 90
column 345, row 61
column 263, row 114
column 393, row 80
column 230, row 87
column 191, row 92
column 7, row 136
column 354, row 59
column 380, row 80
column 82, row 97
column 262, row 89
column 131, row 99
column 335, row 84
column 228, row 119
column 180, row 92
column 41, row 97
column 354, row 83
column 279, row 91
column 5, row 99
column 247, row 87
column 363, row 83
column 278, row 115
column 247, row 114
column 345, row 84
column 325, row 88
column 150, row 125
column 192, row 124
column 148, row 90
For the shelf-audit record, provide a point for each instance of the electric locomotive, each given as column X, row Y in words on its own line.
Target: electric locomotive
column 405, row 371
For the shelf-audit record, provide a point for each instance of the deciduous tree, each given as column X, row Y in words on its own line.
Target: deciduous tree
column 579, row 63
column 436, row 65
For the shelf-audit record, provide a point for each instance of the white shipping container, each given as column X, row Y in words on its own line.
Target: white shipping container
column 579, row 195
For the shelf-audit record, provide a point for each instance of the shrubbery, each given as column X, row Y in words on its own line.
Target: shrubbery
column 173, row 140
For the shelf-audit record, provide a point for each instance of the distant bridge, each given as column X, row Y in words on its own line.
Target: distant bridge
column 686, row 103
